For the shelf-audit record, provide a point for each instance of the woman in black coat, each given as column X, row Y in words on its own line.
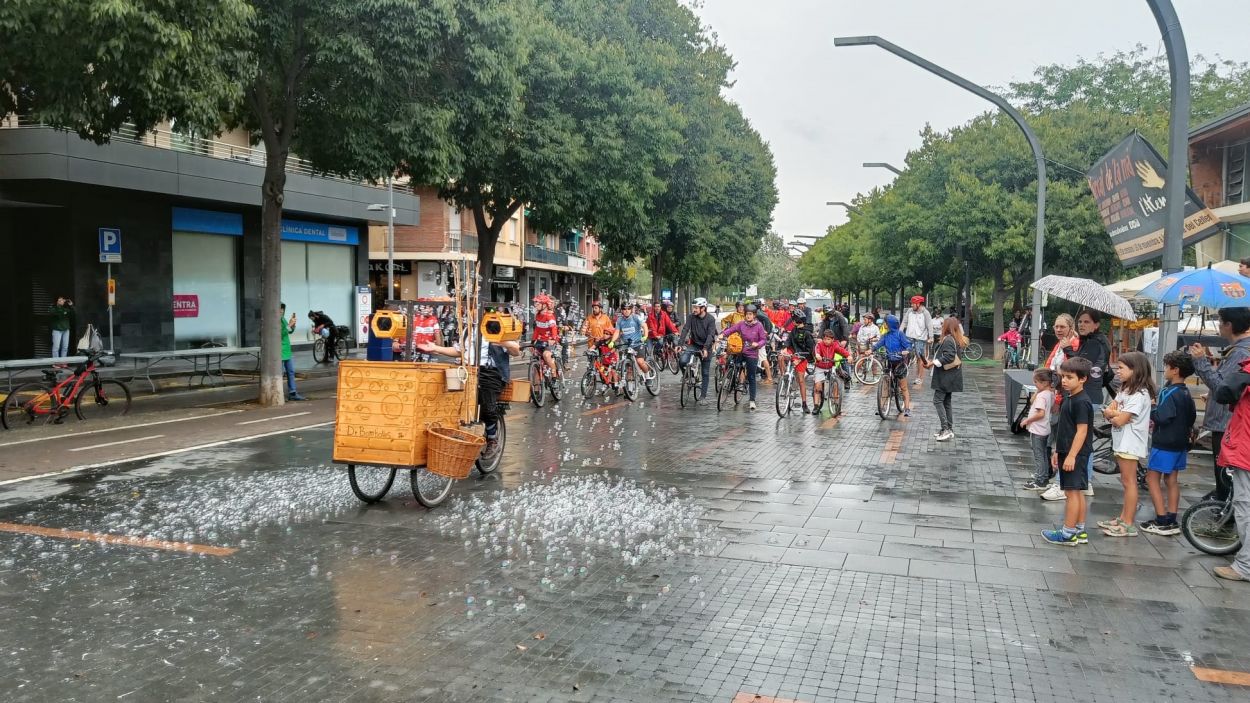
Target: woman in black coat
column 947, row 379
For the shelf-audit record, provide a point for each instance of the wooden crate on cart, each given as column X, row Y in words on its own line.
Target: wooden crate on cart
column 384, row 407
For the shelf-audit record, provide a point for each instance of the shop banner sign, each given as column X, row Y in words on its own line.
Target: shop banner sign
column 1129, row 184
column 186, row 305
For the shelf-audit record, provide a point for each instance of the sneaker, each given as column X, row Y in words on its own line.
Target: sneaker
column 939, row 433
column 1229, row 573
column 491, row 448
column 751, row 405
column 296, row 396
column 907, row 413
column 1167, row 529
column 1120, row 530
column 1082, row 537
column 1035, row 486
column 1056, row 536
column 946, row 436
column 917, row 383
column 1089, row 492
column 806, row 411
column 1054, row 493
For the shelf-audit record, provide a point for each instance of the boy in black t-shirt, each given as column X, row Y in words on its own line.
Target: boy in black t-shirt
column 1073, row 446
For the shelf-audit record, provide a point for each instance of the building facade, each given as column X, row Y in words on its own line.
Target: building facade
column 1218, row 152
column 186, row 214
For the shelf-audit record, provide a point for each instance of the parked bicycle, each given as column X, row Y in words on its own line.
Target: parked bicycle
column 1209, row 525
column 90, row 396
column 972, row 352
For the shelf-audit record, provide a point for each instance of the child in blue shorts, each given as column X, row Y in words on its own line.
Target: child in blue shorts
column 1173, row 418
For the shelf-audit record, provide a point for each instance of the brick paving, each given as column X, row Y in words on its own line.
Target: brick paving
column 863, row 561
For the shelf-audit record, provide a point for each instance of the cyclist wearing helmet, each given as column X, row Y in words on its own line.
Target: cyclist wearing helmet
column 546, row 332
column 631, row 331
column 753, row 337
column 897, row 346
column 738, row 315
column 918, row 326
column 697, row 337
column 800, row 346
column 761, row 315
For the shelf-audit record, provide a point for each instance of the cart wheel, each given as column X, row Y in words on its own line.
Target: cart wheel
column 429, row 488
column 377, row 480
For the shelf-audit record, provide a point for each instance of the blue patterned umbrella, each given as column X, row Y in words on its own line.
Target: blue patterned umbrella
column 1206, row 287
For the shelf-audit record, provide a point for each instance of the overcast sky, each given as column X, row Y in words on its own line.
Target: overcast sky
column 825, row 111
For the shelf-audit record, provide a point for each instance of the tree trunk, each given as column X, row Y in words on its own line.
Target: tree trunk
column 272, row 194
column 487, row 240
column 1001, row 294
column 656, row 274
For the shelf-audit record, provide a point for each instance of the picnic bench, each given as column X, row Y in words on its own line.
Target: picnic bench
column 15, row 367
column 206, row 363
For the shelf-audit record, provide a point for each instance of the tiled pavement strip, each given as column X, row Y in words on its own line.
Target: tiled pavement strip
column 865, row 562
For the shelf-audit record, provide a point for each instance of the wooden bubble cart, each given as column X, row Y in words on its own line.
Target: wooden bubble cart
column 420, row 417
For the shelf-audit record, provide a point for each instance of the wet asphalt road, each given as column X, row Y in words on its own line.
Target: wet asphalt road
column 743, row 558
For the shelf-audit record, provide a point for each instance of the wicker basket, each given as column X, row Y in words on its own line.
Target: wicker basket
column 451, row 452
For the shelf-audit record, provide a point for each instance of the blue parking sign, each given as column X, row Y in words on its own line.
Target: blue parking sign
column 110, row 245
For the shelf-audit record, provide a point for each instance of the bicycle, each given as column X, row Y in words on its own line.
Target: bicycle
column 1210, row 526
column 727, row 383
column 670, row 356
column 691, row 381
column 786, row 386
column 1011, row 357
column 831, row 392
column 972, row 352
column 868, row 369
column 542, row 378
column 341, row 334
column 629, row 371
column 91, row 396
column 598, row 373
column 891, row 389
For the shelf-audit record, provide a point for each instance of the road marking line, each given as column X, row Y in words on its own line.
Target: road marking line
column 892, row 445
column 605, row 408
column 114, row 444
column 71, row 435
column 1236, row 678
column 126, row 540
column 744, row 697
column 276, row 417
column 157, row 455
column 710, row 447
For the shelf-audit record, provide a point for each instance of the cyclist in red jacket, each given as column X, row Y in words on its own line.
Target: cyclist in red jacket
column 659, row 325
column 546, row 332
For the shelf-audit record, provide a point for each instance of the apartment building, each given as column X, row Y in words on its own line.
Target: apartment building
column 1218, row 152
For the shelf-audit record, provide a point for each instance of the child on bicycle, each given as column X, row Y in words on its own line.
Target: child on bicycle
column 1012, row 338
column 868, row 333
column 830, row 356
column 1173, row 417
column 897, row 346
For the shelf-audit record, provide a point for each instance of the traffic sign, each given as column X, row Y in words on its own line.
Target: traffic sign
column 110, row 245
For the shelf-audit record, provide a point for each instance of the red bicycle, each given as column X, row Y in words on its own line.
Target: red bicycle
column 91, row 396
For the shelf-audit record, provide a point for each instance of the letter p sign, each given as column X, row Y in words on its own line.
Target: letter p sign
column 110, row 245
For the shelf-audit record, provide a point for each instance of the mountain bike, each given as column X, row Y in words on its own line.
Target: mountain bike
column 651, row 377
column 868, row 369
column 727, row 383
column 890, row 388
column 787, row 386
column 691, row 381
column 597, row 373
column 630, row 372
column 321, row 347
column 669, row 356
column 829, row 382
column 1011, row 357
column 1209, row 525
column 543, row 379
column 90, row 395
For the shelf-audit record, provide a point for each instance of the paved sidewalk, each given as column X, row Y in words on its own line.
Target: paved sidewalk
column 853, row 560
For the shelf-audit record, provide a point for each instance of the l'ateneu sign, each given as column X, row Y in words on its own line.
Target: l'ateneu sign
column 1128, row 184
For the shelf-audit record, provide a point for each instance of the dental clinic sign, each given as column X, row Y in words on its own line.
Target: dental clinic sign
column 1129, row 186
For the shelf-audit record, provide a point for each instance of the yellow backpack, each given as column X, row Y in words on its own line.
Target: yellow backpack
column 734, row 343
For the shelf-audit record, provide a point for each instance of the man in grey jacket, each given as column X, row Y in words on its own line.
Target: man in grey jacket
column 1235, row 328
column 697, row 337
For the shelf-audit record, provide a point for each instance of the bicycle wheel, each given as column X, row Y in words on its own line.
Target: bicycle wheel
column 28, row 404
column 341, row 348
column 429, row 488
column 537, row 385
column 724, row 388
column 589, row 379
column 652, row 379
column 371, row 484
column 1104, row 460
column 487, row 464
column 102, row 399
column 784, row 399
column 631, row 373
column 897, row 386
column 833, row 395
column 555, row 384
column 883, row 399
column 685, row 386
column 1209, row 526
column 973, row 352
column 319, row 350
column 868, row 370
column 671, row 360
column 738, row 386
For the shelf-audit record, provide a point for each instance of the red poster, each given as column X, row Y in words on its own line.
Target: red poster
column 186, row 305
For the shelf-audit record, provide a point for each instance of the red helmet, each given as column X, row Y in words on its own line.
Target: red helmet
column 917, row 300
column 542, row 299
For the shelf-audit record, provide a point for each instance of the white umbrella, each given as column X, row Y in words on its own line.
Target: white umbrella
column 1090, row 294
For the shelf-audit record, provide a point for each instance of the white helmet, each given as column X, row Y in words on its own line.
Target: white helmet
column 700, row 302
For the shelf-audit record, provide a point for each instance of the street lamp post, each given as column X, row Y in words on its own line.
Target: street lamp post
column 882, row 164
column 390, row 235
column 848, row 206
column 1178, row 161
column 1034, row 144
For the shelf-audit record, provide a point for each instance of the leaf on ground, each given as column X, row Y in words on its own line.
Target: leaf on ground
column 540, row 635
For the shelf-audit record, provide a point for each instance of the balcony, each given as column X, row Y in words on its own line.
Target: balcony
column 541, row 255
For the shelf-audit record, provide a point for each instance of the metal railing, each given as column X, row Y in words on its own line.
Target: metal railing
column 543, row 255
column 190, row 144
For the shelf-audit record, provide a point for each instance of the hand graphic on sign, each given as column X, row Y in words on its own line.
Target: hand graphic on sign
column 1149, row 178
